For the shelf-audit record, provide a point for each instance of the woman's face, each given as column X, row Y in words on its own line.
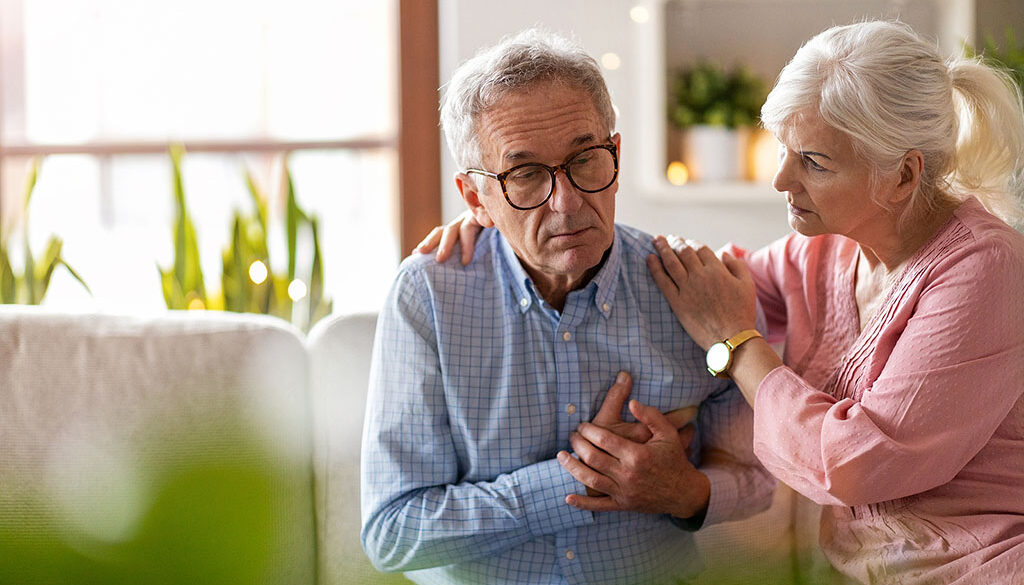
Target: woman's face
column 827, row 186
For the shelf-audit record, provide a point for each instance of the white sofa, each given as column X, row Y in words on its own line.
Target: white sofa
column 99, row 414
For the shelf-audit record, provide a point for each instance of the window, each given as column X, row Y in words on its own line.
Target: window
column 100, row 87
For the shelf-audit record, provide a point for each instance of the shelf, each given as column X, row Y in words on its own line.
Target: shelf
column 764, row 34
column 713, row 192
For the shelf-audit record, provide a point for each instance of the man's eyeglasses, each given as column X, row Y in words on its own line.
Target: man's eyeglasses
column 530, row 185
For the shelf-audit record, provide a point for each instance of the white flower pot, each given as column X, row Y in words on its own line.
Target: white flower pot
column 714, row 153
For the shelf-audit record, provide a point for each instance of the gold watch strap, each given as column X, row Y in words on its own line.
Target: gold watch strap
column 742, row 337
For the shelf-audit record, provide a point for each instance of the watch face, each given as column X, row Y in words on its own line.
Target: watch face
column 718, row 357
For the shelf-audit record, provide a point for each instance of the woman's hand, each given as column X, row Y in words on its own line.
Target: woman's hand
column 462, row 230
column 712, row 298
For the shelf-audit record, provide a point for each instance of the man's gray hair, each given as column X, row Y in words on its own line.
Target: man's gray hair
column 516, row 63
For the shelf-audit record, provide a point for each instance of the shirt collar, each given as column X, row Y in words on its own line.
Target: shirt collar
column 606, row 280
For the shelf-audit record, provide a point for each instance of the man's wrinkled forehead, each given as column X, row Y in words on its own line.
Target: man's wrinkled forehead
column 569, row 120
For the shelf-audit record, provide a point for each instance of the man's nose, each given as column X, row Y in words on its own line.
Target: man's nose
column 565, row 198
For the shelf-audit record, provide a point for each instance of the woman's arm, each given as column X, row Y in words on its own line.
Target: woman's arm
column 931, row 395
column 714, row 299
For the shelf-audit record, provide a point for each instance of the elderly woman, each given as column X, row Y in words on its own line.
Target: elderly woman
column 898, row 402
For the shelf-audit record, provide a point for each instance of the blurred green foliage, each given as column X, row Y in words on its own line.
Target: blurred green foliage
column 249, row 283
column 1006, row 54
column 707, row 94
column 210, row 517
column 30, row 286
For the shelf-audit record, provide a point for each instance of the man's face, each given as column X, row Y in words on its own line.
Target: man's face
column 562, row 240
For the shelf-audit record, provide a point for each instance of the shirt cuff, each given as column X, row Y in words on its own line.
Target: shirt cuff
column 723, row 499
column 543, row 488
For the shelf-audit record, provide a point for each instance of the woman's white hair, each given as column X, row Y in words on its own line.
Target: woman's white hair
column 514, row 64
column 890, row 91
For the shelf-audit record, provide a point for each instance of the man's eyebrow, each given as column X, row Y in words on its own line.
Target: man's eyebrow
column 516, row 156
column 584, row 140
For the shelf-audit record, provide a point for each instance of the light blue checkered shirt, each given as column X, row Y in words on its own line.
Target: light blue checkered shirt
column 476, row 384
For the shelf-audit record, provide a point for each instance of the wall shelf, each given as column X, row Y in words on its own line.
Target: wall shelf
column 763, row 35
column 714, row 192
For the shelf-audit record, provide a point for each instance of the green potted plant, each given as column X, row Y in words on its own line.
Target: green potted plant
column 715, row 107
column 249, row 284
column 29, row 287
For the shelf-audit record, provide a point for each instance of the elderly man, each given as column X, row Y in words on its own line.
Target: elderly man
column 481, row 373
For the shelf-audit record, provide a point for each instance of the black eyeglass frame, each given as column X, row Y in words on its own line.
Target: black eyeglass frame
column 564, row 167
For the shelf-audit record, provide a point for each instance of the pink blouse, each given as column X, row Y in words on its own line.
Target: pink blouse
column 912, row 431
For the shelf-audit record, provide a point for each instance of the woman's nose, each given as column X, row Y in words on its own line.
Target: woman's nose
column 784, row 179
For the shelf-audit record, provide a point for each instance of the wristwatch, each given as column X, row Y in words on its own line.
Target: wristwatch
column 719, row 356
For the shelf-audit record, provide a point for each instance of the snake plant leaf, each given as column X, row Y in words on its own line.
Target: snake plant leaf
column 44, row 269
column 258, row 199
column 181, row 218
column 319, row 307
column 292, row 217
column 232, row 286
column 187, row 284
column 28, row 280
column 8, row 283
column 30, row 183
column 74, row 275
column 193, row 271
column 173, row 297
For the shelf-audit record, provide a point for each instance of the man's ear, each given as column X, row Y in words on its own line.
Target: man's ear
column 910, row 172
column 471, row 195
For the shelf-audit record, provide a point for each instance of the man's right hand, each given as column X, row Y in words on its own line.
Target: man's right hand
column 610, row 414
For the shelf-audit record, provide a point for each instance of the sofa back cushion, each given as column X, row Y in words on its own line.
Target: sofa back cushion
column 340, row 350
column 163, row 449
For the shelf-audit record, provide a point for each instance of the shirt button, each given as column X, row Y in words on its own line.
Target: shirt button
column 569, row 554
column 606, row 307
column 571, row 409
column 566, row 336
column 523, row 302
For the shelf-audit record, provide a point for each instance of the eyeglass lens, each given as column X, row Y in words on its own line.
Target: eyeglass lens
column 592, row 170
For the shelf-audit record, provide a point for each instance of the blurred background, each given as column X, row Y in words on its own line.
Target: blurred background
column 282, row 158
column 335, row 102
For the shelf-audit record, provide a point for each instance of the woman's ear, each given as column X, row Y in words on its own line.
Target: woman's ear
column 910, row 172
column 471, row 195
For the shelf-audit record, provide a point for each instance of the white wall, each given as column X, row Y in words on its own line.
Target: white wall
column 750, row 216
column 601, row 26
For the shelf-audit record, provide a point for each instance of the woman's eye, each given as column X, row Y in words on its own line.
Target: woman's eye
column 810, row 162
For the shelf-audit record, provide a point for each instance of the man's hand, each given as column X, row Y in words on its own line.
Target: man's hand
column 610, row 415
column 654, row 476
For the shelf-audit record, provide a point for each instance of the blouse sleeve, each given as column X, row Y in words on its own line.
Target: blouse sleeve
column 950, row 378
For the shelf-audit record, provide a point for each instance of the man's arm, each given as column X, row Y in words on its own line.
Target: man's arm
column 656, row 477
column 417, row 513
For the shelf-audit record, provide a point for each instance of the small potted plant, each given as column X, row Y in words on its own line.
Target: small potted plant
column 715, row 108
